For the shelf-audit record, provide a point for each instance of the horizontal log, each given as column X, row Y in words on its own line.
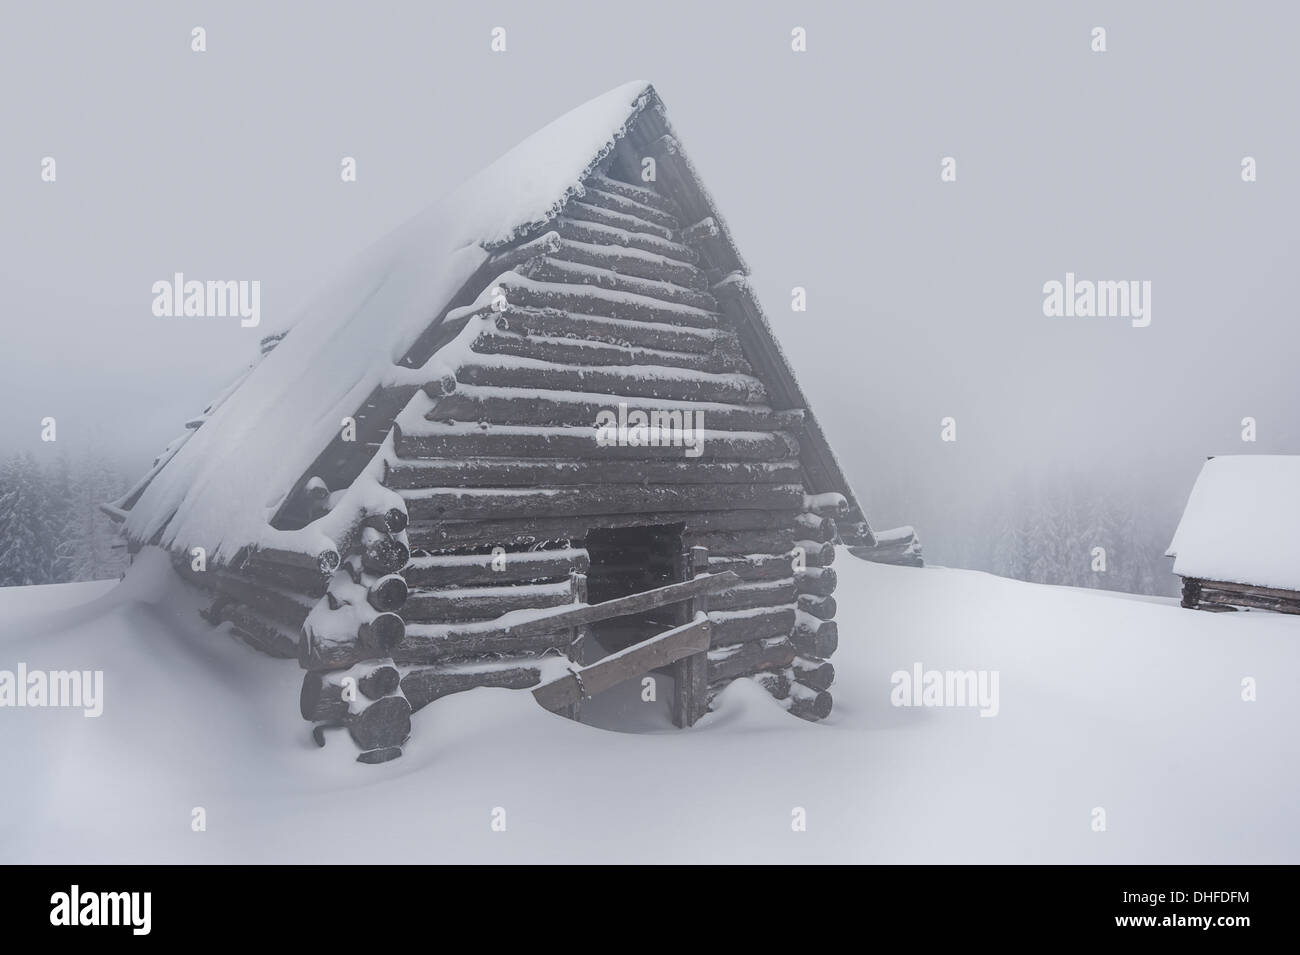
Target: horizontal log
column 726, row 663
column 747, row 596
column 642, row 657
column 479, row 569
column 322, row 564
column 754, row 568
column 746, row 542
column 585, row 212
column 828, row 505
column 558, row 323
column 511, row 442
column 683, row 385
column 808, row 703
column 590, row 300
column 285, row 607
column 823, row 608
column 423, row 685
column 384, row 723
column 579, row 352
column 464, row 504
column 450, row 535
column 428, row 643
column 259, row 632
column 583, row 409
column 1253, row 589
column 617, row 200
column 644, row 194
column 646, row 265
column 814, row 673
column 498, row 472
column 1210, row 596
column 732, row 627
column 541, row 630
column 815, row 638
column 587, row 231
column 480, row 603
column 548, row 268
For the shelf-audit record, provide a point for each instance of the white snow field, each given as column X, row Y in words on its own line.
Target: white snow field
column 1132, row 705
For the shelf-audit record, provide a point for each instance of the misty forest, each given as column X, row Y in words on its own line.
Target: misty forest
column 51, row 528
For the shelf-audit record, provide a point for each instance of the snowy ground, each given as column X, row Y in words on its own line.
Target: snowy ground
column 1131, row 705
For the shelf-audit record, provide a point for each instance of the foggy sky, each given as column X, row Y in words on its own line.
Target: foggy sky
column 925, row 298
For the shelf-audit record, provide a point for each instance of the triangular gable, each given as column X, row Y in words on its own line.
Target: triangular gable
column 366, row 346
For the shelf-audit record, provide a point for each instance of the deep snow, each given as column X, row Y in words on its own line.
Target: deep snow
column 1131, row 705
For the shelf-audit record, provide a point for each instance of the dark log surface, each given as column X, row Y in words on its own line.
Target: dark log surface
column 453, row 504
column 424, row 685
column 499, row 472
column 515, row 567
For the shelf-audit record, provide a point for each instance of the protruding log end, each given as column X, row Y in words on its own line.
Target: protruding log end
column 444, row 384
column 385, row 723
column 383, row 555
column 380, row 682
column 821, row 640
column 809, row 704
column 388, row 593
column 328, row 561
column 382, row 634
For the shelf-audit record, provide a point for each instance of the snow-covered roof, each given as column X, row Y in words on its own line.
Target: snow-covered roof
column 1242, row 522
column 223, row 484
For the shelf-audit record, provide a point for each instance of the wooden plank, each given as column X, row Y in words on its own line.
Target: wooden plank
column 640, row 658
column 691, row 672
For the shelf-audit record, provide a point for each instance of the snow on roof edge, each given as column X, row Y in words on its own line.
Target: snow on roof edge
column 225, row 482
column 1242, row 522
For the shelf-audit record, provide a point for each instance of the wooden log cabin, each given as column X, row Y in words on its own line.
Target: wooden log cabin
column 1237, row 545
column 542, row 438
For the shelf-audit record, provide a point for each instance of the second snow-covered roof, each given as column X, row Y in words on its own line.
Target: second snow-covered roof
column 1242, row 522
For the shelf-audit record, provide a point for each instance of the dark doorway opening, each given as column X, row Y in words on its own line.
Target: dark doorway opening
column 629, row 560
